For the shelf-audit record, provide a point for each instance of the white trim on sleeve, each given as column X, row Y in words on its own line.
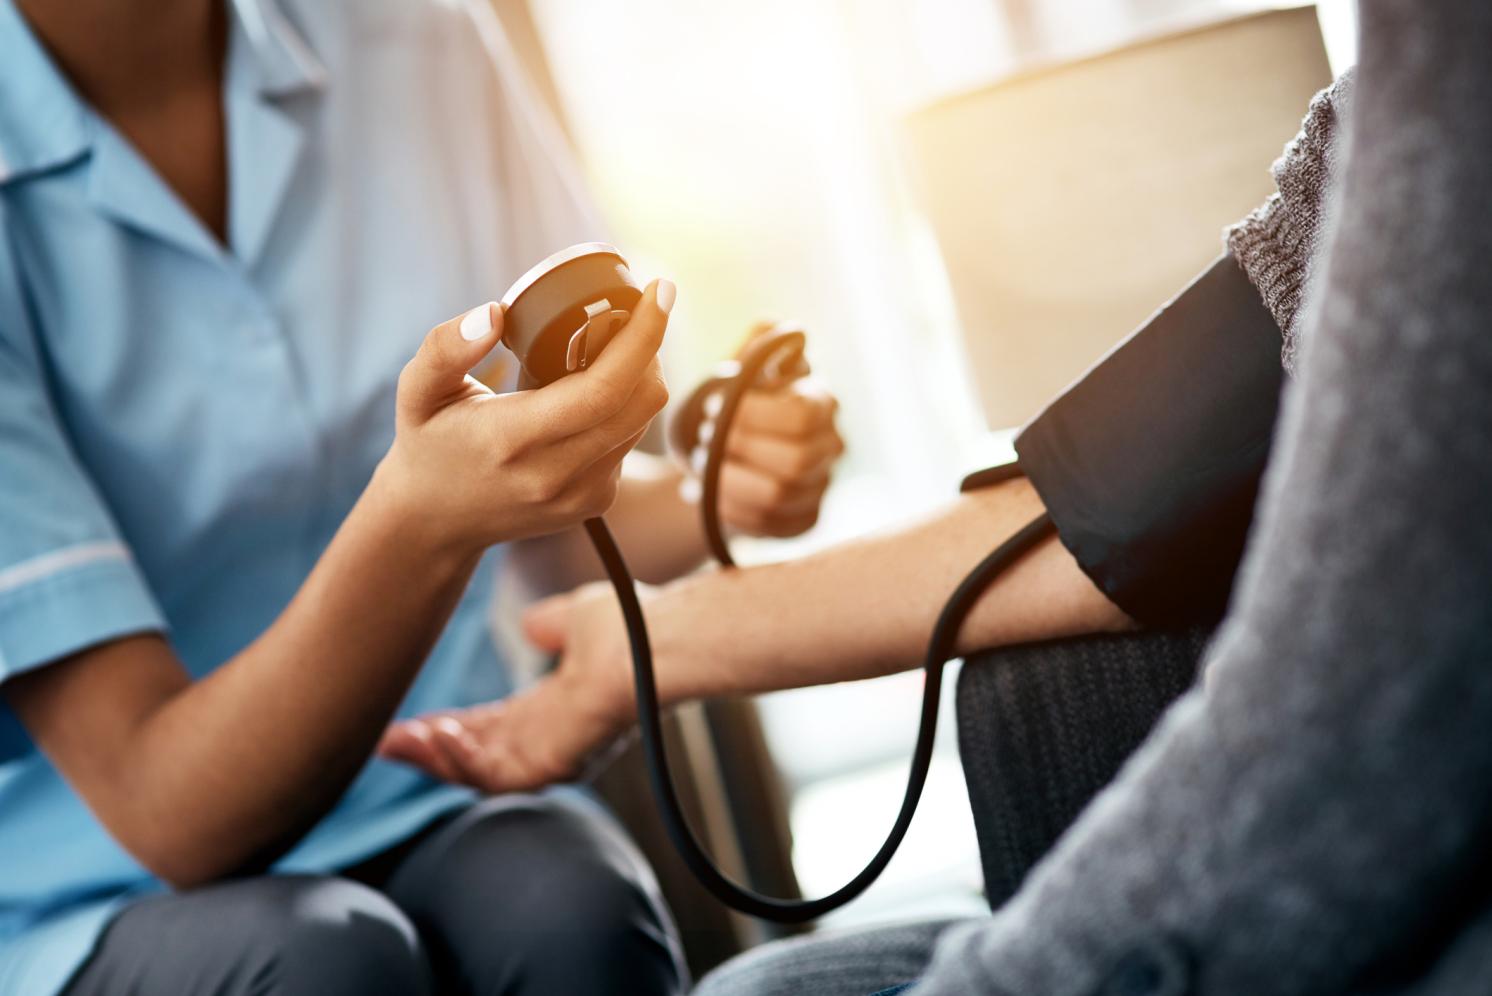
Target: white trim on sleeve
column 37, row 568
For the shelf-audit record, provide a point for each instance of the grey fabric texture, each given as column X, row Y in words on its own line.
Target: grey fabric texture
column 1279, row 244
column 1314, row 817
column 1043, row 727
column 517, row 895
column 852, row 963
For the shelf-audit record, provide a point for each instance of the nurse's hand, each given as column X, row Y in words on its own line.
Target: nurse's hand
column 481, row 468
column 782, row 448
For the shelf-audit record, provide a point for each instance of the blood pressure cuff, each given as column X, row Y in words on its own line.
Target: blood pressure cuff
column 1149, row 465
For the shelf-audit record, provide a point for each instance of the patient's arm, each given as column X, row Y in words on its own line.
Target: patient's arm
column 857, row 611
column 862, row 609
column 1148, row 465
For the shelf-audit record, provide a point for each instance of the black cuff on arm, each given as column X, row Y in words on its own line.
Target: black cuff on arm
column 1149, row 465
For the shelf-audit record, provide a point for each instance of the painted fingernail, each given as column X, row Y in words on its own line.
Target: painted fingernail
column 478, row 322
column 665, row 295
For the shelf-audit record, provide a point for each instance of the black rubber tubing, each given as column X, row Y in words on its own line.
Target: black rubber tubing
column 942, row 646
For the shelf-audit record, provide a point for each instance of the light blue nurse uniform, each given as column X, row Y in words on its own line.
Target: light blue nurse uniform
column 183, row 424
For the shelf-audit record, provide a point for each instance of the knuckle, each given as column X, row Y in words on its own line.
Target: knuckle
column 406, row 379
column 432, row 346
column 568, row 506
column 599, row 499
column 536, row 488
column 775, row 491
column 656, row 395
column 802, row 416
column 604, row 398
column 801, row 461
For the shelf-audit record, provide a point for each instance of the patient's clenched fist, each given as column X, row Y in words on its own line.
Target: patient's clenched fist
column 778, row 459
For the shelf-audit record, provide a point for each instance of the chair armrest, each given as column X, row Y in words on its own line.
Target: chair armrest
column 1043, row 727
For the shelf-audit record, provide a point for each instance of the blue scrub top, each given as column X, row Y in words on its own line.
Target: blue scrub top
column 183, row 424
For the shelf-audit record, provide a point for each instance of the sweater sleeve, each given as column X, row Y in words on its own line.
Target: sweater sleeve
column 1279, row 242
column 1306, row 820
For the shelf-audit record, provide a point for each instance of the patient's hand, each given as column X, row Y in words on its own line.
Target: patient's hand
column 543, row 734
column 781, row 450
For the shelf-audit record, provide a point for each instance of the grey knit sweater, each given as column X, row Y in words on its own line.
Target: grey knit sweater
column 1277, row 245
column 1315, row 817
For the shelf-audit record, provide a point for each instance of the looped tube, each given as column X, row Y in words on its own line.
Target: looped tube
column 756, row 358
column 941, row 647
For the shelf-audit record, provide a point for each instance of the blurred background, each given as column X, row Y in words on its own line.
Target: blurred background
column 966, row 202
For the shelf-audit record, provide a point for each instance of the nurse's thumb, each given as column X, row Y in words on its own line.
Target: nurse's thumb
column 450, row 350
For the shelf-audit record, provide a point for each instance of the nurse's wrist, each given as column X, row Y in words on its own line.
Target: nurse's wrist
column 401, row 512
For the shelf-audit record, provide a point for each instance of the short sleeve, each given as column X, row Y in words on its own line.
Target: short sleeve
column 1150, row 464
column 67, row 580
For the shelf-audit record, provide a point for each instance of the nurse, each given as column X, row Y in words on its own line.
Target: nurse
column 236, row 541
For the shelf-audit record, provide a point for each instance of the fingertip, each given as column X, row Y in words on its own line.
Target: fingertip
column 480, row 322
column 391, row 743
column 664, row 295
column 404, row 742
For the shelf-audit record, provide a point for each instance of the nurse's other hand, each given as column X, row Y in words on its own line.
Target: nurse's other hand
column 545, row 733
column 778, row 459
column 480, row 468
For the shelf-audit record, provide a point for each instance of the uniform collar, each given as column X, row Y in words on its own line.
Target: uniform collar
column 283, row 61
column 45, row 124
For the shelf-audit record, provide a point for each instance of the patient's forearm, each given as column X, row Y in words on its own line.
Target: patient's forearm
column 867, row 608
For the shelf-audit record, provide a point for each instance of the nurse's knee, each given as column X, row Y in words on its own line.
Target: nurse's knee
column 328, row 936
column 590, row 912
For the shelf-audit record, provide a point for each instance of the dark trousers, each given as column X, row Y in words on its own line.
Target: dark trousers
column 531, row 895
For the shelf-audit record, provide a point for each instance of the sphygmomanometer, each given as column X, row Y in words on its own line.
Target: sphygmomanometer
column 559, row 316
